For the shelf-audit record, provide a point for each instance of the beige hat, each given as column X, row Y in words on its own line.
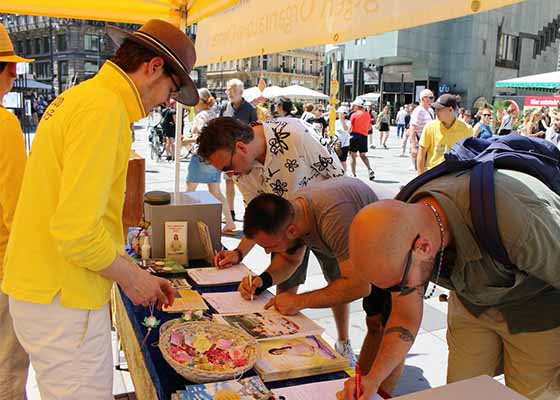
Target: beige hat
column 7, row 53
column 172, row 45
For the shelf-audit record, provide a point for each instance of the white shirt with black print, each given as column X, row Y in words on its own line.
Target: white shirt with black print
column 295, row 158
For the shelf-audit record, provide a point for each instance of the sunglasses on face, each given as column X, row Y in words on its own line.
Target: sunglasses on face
column 169, row 72
column 401, row 287
column 486, row 115
column 229, row 167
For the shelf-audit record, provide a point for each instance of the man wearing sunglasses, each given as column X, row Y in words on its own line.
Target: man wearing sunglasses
column 279, row 156
column 500, row 317
column 66, row 247
column 418, row 120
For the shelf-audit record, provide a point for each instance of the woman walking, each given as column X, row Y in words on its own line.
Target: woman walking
column 383, row 121
column 201, row 172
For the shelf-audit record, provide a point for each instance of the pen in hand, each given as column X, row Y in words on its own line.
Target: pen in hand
column 358, row 382
column 251, row 285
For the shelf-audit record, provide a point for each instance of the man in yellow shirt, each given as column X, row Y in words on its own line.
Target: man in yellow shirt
column 67, row 247
column 14, row 361
column 440, row 135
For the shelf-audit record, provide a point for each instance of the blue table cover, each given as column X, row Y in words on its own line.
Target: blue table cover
column 166, row 381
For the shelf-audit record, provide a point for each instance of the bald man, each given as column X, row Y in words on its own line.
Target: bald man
column 497, row 314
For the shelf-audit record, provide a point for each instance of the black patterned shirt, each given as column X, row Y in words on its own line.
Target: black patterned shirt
column 295, row 158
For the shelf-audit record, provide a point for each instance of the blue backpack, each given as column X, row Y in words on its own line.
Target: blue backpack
column 532, row 156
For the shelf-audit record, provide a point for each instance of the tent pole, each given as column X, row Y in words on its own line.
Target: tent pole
column 179, row 123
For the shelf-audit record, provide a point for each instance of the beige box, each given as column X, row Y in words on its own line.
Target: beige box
column 190, row 207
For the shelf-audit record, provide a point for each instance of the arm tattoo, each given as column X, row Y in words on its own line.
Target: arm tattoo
column 404, row 334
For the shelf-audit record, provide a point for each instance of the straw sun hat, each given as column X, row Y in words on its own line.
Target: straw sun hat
column 169, row 43
column 7, row 53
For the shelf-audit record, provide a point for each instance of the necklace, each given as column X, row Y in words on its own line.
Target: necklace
column 442, row 233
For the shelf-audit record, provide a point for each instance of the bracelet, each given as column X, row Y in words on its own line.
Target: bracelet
column 239, row 254
column 266, row 279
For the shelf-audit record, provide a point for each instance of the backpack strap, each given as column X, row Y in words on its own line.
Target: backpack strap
column 483, row 211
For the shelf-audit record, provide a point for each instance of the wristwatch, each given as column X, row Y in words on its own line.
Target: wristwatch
column 239, row 254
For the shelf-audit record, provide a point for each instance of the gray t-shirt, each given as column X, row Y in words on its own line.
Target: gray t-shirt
column 332, row 205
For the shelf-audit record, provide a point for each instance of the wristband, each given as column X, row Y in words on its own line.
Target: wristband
column 239, row 254
column 266, row 279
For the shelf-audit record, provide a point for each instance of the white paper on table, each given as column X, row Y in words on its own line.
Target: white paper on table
column 314, row 391
column 215, row 276
column 233, row 303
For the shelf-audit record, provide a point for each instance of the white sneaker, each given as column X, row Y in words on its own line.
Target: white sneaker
column 345, row 350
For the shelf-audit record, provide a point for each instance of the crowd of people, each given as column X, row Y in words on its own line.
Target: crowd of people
column 60, row 259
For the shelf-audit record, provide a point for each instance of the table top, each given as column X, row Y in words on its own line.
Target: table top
column 166, row 381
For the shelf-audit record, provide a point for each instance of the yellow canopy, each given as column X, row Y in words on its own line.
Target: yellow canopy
column 255, row 27
column 129, row 11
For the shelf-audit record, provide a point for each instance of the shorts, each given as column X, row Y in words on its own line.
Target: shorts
column 358, row 143
column 169, row 132
column 201, row 172
column 329, row 266
column 384, row 127
column 378, row 302
column 344, row 153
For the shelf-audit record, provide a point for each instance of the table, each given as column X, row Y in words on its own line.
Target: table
column 481, row 387
column 152, row 376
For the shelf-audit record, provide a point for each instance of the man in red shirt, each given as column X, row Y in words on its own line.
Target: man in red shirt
column 360, row 123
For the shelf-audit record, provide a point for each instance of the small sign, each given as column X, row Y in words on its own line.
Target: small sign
column 443, row 88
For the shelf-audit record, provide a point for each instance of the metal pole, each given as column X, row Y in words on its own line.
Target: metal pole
column 51, row 45
column 179, row 126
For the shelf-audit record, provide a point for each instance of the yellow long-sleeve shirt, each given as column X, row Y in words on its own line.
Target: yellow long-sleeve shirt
column 12, row 165
column 68, row 225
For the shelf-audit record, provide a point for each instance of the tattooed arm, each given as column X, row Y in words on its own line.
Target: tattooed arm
column 400, row 333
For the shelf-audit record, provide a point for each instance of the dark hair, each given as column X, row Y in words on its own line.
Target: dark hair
column 286, row 104
column 268, row 213
column 2, row 66
column 223, row 133
column 131, row 55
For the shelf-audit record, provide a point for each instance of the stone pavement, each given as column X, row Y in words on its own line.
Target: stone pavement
column 426, row 362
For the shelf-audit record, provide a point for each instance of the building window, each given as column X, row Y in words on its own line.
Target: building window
column 90, row 68
column 265, row 62
column 508, row 51
column 37, row 46
column 63, row 69
column 303, row 65
column 91, row 42
column 348, row 64
column 43, row 70
column 19, row 47
column 284, row 63
column 311, row 66
column 61, row 42
column 28, row 49
column 46, row 45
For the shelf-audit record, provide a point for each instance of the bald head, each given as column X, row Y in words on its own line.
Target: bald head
column 381, row 236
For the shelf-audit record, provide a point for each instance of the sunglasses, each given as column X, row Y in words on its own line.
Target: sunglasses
column 401, row 287
column 229, row 167
column 486, row 115
column 169, row 72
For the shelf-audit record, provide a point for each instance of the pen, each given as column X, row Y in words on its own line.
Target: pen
column 251, row 285
column 215, row 258
column 358, row 377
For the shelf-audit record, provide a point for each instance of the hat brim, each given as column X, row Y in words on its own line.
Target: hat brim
column 438, row 106
column 16, row 59
column 188, row 93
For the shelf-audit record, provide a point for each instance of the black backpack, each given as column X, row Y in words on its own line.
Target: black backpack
column 532, row 156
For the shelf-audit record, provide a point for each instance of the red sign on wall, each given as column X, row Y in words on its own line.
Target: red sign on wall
column 542, row 101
